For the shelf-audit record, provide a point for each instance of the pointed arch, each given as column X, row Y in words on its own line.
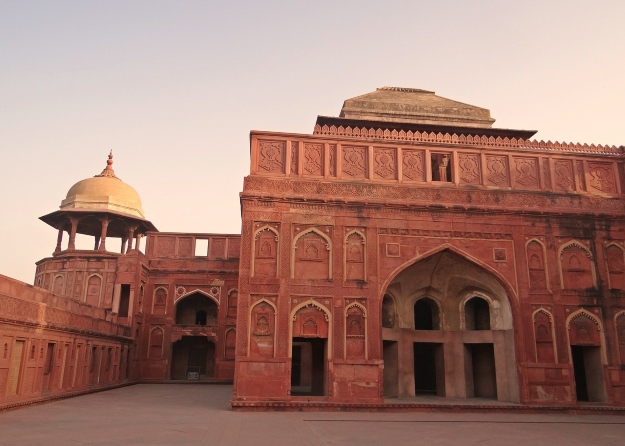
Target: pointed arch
column 157, row 341
column 389, row 312
column 230, row 343
column 509, row 288
column 573, row 271
column 615, row 261
column 93, row 289
column 196, row 291
column 537, row 274
column 328, row 248
column 270, row 256
column 354, row 262
column 437, row 316
column 232, row 302
column 57, row 287
column 552, row 336
column 495, row 322
column 328, row 317
column 364, row 339
column 583, row 312
column 272, row 326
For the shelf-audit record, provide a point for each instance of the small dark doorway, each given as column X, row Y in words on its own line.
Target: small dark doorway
column 483, row 380
column 391, row 371
column 426, row 315
column 477, row 314
column 193, row 354
column 124, row 300
column 429, row 373
column 588, row 372
column 308, row 367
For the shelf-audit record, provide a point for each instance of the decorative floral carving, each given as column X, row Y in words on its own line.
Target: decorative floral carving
column 412, row 165
column 385, row 163
column 355, row 161
column 497, row 170
column 601, row 177
column 313, row 159
column 332, row 160
column 271, row 156
column 469, row 164
column 294, row 153
column 526, row 172
column 564, row 175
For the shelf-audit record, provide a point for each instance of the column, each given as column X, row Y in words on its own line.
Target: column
column 105, row 223
column 124, row 240
column 131, row 234
column 59, row 240
column 72, row 234
column 97, row 242
column 138, row 242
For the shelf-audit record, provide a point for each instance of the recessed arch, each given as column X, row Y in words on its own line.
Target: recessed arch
column 364, row 328
column 547, row 313
column 469, row 317
column 583, row 312
column 93, row 289
column 328, row 248
column 587, row 252
column 355, row 265
column 620, row 335
column 328, row 317
column 250, row 324
column 545, row 265
column 196, row 291
column 256, row 236
column 430, row 310
column 196, row 308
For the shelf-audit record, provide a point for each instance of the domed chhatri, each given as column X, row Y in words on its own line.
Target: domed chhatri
column 104, row 191
column 101, row 206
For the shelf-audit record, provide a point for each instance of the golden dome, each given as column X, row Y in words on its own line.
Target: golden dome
column 104, row 192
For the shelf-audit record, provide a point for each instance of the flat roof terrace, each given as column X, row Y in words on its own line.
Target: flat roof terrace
column 170, row 414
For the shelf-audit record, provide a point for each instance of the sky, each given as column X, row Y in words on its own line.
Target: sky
column 174, row 88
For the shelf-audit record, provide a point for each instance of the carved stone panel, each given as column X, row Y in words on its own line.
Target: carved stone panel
column 271, row 157
column 583, row 330
column 94, row 289
column 266, row 253
column 312, row 257
column 165, row 246
column 310, row 322
column 576, row 266
column 526, row 174
column 616, row 267
column 536, row 266
column 185, row 247
column 385, row 164
column 332, row 156
column 497, row 171
column 601, row 178
column 313, row 159
column 262, row 328
column 294, row 159
column 413, row 166
column 217, row 249
column 354, row 162
column 543, row 328
column 355, row 333
column 563, row 171
column 355, row 257
column 469, row 168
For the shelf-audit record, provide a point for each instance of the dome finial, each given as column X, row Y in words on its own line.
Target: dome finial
column 108, row 170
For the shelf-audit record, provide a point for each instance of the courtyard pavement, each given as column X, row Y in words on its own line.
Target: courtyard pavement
column 174, row 414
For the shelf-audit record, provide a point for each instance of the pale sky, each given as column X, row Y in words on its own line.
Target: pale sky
column 174, row 88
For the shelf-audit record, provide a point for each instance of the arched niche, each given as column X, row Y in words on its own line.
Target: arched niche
column 355, row 331
column 426, row 314
column 159, row 300
column 616, row 266
column 311, row 255
column 576, row 266
column 93, row 290
column 233, row 302
column 355, row 256
column 230, row 343
column 477, row 313
column 536, row 264
column 544, row 337
column 156, row 342
column 196, row 308
column 619, row 325
column 265, row 249
column 262, row 326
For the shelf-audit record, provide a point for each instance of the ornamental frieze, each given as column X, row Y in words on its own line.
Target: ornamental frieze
column 367, row 192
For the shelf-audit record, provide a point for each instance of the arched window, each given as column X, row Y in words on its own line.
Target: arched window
column 477, row 314
column 426, row 315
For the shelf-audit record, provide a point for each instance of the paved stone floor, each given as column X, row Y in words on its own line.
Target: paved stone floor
column 170, row 414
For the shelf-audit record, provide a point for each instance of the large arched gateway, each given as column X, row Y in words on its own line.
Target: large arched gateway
column 447, row 330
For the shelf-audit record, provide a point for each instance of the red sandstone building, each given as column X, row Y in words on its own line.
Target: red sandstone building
column 407, row 247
